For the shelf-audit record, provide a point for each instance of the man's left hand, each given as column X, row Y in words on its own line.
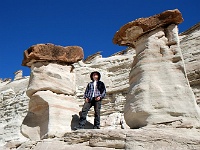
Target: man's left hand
column 98, row 98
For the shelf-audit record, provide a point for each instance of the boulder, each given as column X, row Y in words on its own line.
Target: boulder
column 51, row 52
column 134, row 29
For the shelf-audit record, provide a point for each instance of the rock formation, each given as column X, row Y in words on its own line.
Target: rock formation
column 13, row 109
column 133, row 30
column 139, row 139
column 18, row 75
column 50, row 52
column 191, row 53
column 51, row 90
column 50, row 104
column 159, row 91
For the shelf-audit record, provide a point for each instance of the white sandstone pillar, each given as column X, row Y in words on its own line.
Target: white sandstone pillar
column 52, row 93
column 159, row 91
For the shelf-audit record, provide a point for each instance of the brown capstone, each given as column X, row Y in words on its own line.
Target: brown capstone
column 131, row 31
column 51, row 52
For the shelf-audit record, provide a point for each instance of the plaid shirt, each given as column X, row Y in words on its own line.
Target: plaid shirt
column 90, row 90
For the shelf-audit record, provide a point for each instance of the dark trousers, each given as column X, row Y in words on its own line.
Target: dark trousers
column 86, row 108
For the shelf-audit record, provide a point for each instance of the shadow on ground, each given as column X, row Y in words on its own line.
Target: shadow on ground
column 75, row 120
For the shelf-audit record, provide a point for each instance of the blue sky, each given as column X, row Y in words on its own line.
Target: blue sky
column 90, row 24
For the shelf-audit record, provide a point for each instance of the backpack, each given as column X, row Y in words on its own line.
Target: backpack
column 100, row 86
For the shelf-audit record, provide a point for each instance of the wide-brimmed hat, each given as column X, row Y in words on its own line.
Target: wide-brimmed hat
column 99, row 75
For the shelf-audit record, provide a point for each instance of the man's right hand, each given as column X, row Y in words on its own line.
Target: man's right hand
column 86, row 100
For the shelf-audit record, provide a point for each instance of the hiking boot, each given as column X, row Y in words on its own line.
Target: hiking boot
column 78, row 127
column 96, row 127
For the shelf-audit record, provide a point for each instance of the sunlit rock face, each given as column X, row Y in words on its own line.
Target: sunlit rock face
column 13, row 109
column 52, row 102
column 189, row 43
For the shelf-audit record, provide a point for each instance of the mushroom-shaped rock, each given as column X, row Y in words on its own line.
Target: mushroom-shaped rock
column 133, row 30
column 51, row 52
column 51, row 90
column 159, row 91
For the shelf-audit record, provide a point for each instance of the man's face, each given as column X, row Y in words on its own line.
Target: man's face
column 95, row 76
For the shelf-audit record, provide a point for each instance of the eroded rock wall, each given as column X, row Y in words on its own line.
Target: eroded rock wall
column 114, row 73
column 190, row 45
column 13, row 109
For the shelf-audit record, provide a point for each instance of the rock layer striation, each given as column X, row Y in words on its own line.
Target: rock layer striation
column 191, row 53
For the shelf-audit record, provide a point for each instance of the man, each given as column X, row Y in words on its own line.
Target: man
column 93, row 95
